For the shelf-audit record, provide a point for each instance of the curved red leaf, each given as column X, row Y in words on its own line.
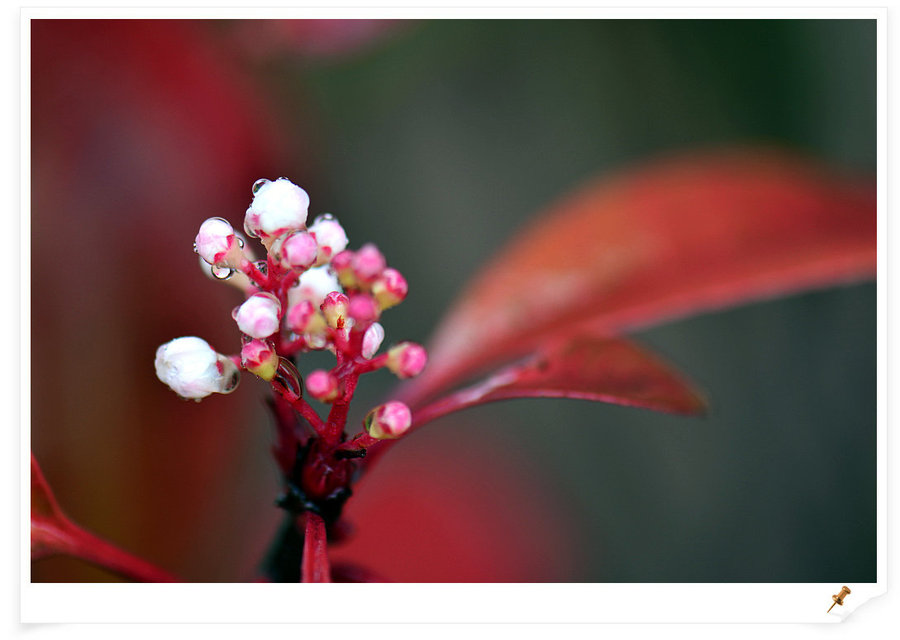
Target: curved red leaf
column 315, row 551
column 584, row 367
column 686, row 235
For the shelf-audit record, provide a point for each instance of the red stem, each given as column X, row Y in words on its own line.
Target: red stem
column 103, row 554
column 365, row 366
column 314, row 567
column 257, row 277
column 302, row 407
column 337, row 417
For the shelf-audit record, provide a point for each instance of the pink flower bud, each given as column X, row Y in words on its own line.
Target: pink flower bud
column 277, row 207
column 258, row 317
column 314, row 285
column 334, row 308
column 390, row 288
column 193, row 369
column 330, row 236
column 388, row 421
column 216, row 242
column 368, row 263
column 407, row 359
column 259, row 358
column 298, row 251
column 372, row 339
column 362, row 310
column 299, row 316
column 323, row 386
column 342, row 264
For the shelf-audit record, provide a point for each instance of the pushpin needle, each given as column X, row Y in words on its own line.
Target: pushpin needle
column 839, row 598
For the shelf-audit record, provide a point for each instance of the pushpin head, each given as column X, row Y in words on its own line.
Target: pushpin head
column 839, row 598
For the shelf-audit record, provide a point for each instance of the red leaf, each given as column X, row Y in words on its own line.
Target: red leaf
column 315, row 551
column 140, row 130
column 686, row 235
column 584, row 367
column 470, row 514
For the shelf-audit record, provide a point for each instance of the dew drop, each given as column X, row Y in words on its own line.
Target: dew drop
column 240, row 241
column 325, row 217
column 259, row 185
column 196, row 250
column 287, row 377
column 221, row 273
column 262, row 266
column 230, row 376
column 250, row 233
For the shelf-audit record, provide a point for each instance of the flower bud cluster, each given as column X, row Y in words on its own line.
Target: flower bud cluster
column 310, row 292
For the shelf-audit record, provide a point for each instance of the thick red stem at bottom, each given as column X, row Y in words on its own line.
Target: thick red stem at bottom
column 315, row 567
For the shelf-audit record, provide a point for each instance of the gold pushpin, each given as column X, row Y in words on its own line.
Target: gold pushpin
column 839, row 598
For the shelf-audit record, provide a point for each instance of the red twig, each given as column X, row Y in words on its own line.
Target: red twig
column 99, row 552
column 314, row 566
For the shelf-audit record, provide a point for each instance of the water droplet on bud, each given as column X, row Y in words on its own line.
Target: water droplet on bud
column 249, row 231
column 221, row 273
column 230, row 376
column 325, row 217
column 259, row 185
column 288, row 378
column 240, row 241
column 262, row 266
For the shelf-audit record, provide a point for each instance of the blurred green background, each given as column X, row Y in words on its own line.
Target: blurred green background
column 441, row 139
column 442, row 142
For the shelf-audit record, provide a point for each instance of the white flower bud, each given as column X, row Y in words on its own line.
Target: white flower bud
column 278, row 206
column 314, row 285
column 216, row 242
column 372, row 340
column 330, row 236
column 193, row 369
column 258, row 316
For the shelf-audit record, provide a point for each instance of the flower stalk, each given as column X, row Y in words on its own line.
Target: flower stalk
column 310, row 293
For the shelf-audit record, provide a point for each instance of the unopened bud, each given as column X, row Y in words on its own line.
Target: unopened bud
column 368, row 263
column 278, row 207
column 334, row 308
column 258, row 317
column 407, row 359
column 342, row 264
column 330, row 237
column 388, row 421
column 299, row 316
column 217, row 243
column 297, row 251
column 363, row 310
column 193, row 369
column 323, row 386
column 259, row 358
column 372, row 339
column 390, row 288
column 314, row 285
